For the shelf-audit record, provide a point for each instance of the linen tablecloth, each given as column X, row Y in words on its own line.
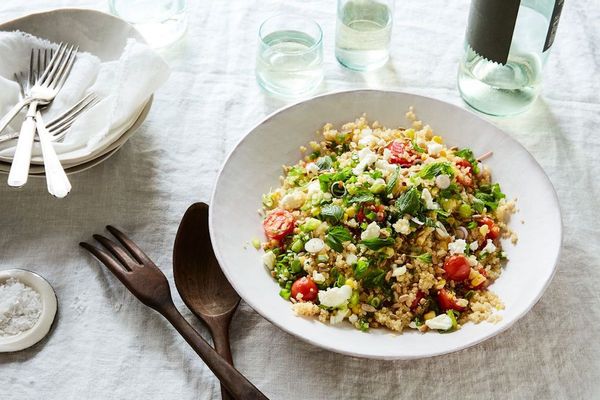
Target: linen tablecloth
column 106, row 345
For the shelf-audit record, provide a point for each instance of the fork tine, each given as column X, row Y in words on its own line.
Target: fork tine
column 19, row 81
column 31, row 64
column 61, row 76
column 135, row 251
column 117, row 251
column 76, row 109
column 107, row 260
column 55, row 63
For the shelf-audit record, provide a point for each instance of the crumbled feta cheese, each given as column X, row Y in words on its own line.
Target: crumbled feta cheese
column 312, row 169
column 366, row 132
column 387, row 154
column 402, row 226
column 371, row 232
column 399, row 271
column 353, row 318
column 442, row 181
column 292, row 200
column 434, row 148
column 335, row 296
column 318, row 277
column 428, row 199
column 474, row 245
column 338, row 316
column 472, row 260
column 457, row 247
column 367, row 141
column 442, row 322
column 314, row 245
column 384, row 166
column 489, row 247
column 366, row 157
column 269, row 259
column 351, row 259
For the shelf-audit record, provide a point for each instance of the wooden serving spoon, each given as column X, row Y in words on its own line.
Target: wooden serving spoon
column 200, row 281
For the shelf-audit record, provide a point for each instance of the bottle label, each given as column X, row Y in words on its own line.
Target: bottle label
column 558, row 6
column 491, row 26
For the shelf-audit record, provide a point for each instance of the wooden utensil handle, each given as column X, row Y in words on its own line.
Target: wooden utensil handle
column 239, row 387
column 220, row 335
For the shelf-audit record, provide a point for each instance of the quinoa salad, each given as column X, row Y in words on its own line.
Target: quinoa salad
column 381, row 227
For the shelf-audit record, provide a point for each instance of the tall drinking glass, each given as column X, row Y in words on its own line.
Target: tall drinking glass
column 289, row 62
column 363, row 33
column 161, row 22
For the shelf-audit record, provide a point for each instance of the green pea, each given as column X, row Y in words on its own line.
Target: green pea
column 465, row 210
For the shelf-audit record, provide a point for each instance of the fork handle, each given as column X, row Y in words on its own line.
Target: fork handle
column 239, row 387
column 56, row 179
column 12, row 114
column 19, row 169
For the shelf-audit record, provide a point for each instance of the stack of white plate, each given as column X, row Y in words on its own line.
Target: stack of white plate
column 97, row 33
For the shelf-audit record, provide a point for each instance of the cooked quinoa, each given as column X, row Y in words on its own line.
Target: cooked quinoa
column 387, row 228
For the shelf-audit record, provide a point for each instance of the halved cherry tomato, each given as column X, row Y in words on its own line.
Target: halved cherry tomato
column 306, row 287
column 493, row 231
column 447, row 301
column 417, row 300
column 457, row 268
column 279, row 224
column 360, row 215
column 400, row 154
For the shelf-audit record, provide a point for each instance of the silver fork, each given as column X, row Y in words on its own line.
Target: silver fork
column 45, row 87
column 58, row 127
column 56, row 179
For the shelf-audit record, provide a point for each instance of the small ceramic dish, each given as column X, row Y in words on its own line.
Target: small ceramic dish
column 44, row 323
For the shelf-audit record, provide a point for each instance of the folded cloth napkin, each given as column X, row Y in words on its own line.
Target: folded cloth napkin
column 123, row 85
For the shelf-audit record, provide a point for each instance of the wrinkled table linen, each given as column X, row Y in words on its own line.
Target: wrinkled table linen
column 107, row 345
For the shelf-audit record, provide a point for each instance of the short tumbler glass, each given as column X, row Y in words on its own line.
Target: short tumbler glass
column 363, row 33
column 289, row 62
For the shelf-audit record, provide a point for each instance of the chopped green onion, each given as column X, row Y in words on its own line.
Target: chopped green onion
column 322, row 258
column 297, row 246
column 285, row 293
column 338, row 189
column 360, row 270
column 354, row 298
column 310, row 225
column 375, row 302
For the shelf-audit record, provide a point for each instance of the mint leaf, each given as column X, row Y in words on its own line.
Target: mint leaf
column 377, row 243
column 467, row 154
column 332, row 212
column 432, row 170
column 409, row 202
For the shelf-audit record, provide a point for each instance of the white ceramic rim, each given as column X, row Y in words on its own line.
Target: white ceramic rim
column 463, row 346
column 44, row 323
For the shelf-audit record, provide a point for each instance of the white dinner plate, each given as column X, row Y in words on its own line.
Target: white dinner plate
column 254, row 166
column 95, row 32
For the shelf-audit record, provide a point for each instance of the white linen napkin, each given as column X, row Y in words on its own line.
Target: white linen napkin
column 123, row 85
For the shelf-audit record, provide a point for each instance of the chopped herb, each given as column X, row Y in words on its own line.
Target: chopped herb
column 432, row 170
column 478, row 205
column 374, row 279
column 362, row 197
column 332, row 213
column 472, row 225
column 375, row 302
column 324, row 163
column 424, row 258
column 467, row 154
column 336, row 236
column 409, row 202
column 490, row 195
column 376, row 174
column 450, row 191
column 378, row 243
column 392, row 182
column 363, row 325
column 325, row 180
column 432, row 223
column 340, row 281
column 469, row 294
column 361, row 267
column 416, row 147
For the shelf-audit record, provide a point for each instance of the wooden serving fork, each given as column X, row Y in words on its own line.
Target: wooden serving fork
column 147, row 282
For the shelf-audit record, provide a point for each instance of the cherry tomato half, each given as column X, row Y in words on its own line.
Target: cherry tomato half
column 306, row 287
column 417, row 300
column 447, row 301
column 400, row 154
column 279, row 224
column 457, row 268
column 494, row 230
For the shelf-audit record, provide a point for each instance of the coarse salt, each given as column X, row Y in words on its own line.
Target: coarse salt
column 20, row 307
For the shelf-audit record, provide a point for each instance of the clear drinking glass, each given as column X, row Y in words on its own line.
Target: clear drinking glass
column 289, row 62
column 161, row 22
column 363, row 33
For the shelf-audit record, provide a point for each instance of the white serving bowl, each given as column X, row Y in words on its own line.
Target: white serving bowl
column 253, row 167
